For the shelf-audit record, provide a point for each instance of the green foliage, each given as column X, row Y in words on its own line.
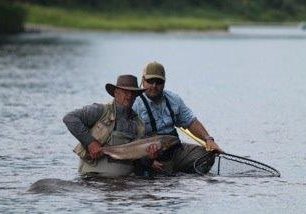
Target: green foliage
column 130, row 20
column 161, row 15
column 250, row 9
column 12, row 17
column 274, row 15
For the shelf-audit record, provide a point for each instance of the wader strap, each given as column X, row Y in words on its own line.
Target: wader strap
column 170, row 109
column 174, row 132
column 115, row 126
column 168, row 154
column 152, row 120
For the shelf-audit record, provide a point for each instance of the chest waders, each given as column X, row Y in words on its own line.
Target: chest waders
column 181, row 157
column 104, row 131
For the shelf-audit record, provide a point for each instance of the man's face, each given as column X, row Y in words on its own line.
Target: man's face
column 154, row 87
column 125, row 97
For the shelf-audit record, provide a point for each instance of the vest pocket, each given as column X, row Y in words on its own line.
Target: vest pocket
column 84, row 155
column 101, row 131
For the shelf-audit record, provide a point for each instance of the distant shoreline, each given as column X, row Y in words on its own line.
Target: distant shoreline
column 63, row 19
column 42, row 18
column 37, row 28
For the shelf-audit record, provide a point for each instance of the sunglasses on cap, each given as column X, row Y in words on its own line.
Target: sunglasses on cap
column 156, row 81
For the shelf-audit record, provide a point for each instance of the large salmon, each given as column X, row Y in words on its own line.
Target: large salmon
column 139, row 148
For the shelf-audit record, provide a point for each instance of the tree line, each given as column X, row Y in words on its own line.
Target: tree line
column 12, row 17
column 244, row 7
column 12, row 14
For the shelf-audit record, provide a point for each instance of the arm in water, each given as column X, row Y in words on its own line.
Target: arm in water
column 197, row 129
column 149, row 162
column 153, row 154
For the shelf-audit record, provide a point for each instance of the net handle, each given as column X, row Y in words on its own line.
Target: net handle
column 198, row 140
column 203, row 143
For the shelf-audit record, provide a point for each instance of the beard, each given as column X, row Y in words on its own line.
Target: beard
column 155, row 97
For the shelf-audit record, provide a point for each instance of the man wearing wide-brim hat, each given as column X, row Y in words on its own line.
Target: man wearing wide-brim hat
column 98, row 125
column 162, row 111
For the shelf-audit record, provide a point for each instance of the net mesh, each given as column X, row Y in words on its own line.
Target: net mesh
column 235, row 166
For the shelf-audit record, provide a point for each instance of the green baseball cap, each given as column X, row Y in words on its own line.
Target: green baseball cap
column 154, row 70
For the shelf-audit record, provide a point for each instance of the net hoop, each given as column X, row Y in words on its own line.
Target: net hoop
column 253, row 163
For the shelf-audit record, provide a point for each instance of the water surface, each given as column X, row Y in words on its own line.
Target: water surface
column 249, row 92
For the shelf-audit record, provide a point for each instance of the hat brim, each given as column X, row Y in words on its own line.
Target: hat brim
column 110, row 88
column 152, row 76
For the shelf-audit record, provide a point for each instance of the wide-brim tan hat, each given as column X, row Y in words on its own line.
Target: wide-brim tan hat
column 154, row 70
column 125, row 82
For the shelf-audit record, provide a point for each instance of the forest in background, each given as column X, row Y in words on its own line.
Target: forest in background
column 12, row 17
column 276, row 10
column 147, row 14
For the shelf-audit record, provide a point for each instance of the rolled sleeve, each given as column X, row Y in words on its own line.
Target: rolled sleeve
column 185, row 116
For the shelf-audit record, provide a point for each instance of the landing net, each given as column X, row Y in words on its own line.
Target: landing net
column 229, row 165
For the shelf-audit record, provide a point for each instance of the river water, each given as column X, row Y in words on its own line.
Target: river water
column 249, row 91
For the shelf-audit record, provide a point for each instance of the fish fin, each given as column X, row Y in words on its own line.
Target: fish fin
column 112, row 155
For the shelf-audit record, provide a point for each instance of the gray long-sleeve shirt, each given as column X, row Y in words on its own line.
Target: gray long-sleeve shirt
column 80, row 121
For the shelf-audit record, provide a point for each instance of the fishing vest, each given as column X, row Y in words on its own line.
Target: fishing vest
column 103, row 131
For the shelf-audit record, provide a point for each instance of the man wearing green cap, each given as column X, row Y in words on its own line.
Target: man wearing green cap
column 98, row 125
column 161, row 111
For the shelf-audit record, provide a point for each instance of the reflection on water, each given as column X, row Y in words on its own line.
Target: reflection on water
column 266, row 31
column 249, row 91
